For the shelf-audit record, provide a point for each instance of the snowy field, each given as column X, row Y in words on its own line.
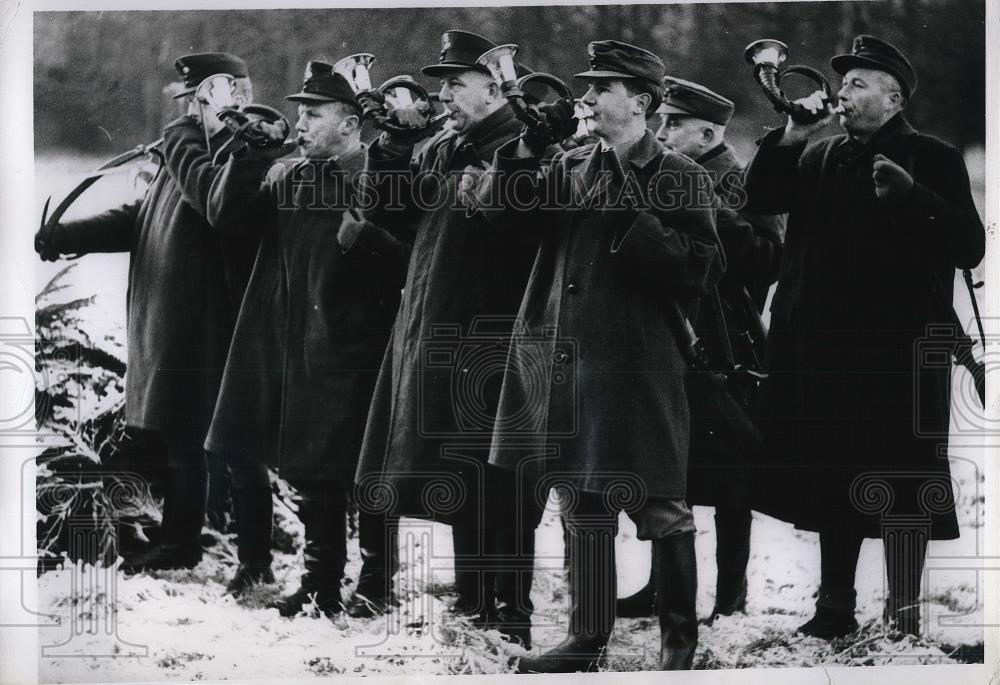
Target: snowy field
column 104, row 627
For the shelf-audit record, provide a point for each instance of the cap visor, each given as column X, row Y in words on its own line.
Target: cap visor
column 672, row 109
column 451, row 67
column 184, row 93
column 844, row 63
column 310, row 97
column 603, row 74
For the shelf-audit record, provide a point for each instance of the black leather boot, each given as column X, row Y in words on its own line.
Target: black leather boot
column 732, row 554
column 378, row 536
column 676, row 580
column 323, row 512
column 254, row 511
column 834, row 614
column 184, row 503
column 592, row 603
column 839, row 552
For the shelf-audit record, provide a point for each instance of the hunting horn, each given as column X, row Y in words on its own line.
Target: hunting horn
column 766, row 56
column 402, row 91
column 501, row 65
column 259, row 126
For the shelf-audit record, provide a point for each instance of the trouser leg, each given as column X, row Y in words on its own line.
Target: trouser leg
column 323, row 511
column 184, row 502
column 839, row 553
column 732, row 554
column 513, row 516
column 221, row 505
column 254, row 512
column 469, row 544
column 475, row 581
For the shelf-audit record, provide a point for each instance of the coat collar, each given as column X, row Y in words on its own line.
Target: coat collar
column 353, row 162
column 642, row 153
column 720, row 159
column 484, row 137
column 483, row 130
column 885, row 140
column 892, row 133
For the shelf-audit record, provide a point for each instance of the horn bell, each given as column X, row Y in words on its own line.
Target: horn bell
column 356, row 69
column 217, row 91
column 766, row 51
column 500, row 62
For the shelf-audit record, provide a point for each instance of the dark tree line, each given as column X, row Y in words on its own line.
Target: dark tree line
column 99, row 76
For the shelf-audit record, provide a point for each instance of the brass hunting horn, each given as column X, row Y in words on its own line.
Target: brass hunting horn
column 503, row 68
column 402, row 92
column 258, row 126
column 766, row 56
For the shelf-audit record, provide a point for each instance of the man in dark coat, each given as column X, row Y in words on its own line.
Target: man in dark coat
column 431, row 418
column 878, row 219
column 309, row 338
column 627, row 234
column 693, row 123
column 183, row 292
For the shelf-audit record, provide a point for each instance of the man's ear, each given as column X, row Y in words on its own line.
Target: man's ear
column 492, row 89
column 707, row 134
column 350, row 124
column 642, row 103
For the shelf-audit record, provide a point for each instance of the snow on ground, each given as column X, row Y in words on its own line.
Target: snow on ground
column 179, row 624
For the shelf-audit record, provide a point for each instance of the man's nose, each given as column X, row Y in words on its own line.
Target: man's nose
column 300, row 125
column 589, row 98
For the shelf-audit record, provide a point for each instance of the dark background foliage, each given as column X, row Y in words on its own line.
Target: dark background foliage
column 99, row 76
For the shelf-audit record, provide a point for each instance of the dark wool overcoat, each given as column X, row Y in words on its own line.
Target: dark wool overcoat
column 857, row 403
column 431, row 417
column 720, row 462
column 593, row 396
column 184, row 286
column 314, row 322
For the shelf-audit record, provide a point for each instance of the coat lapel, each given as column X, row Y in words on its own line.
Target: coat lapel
column 602, row 176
